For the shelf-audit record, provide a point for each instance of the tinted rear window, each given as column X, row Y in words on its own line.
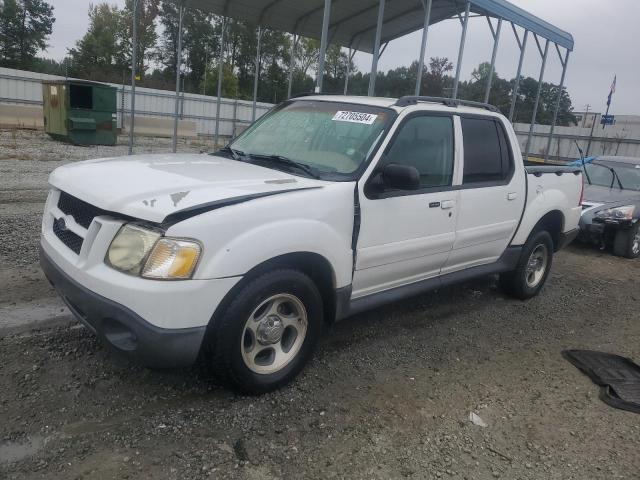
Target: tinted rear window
column 486, row 153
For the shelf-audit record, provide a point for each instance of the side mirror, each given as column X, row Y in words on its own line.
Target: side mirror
column 400, row 177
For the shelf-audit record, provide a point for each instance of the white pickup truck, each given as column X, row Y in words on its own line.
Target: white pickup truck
column 325, row 207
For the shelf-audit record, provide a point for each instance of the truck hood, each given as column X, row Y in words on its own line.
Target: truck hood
column 598, row 194
column 153, row 187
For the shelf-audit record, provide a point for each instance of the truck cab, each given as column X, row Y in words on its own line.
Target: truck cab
column 325, row 207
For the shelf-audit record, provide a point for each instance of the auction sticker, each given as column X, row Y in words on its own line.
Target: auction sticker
column 355, row 117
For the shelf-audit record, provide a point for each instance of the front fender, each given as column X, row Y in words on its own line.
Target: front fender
column 271, row 240
column 240, row 237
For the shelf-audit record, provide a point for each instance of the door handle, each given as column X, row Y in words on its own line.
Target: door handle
column 512, row 196
column 447, row 204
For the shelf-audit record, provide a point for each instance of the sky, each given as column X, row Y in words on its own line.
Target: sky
column 606, row 32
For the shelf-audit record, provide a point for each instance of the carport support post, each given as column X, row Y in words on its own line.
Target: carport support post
column 174, row 143
column 134, row 61
column 463, row 39
column 423, row 48
column 376, row 50
column 516, row 86
column 292, row 63
column 323, row 44
column 348, row 72
column 220, row 74
column 496, row 41
column 256, row 77
column 557, row 108
column 537, row 102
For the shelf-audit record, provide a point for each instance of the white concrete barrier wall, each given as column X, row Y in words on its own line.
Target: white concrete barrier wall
column 18, row 87
column 29, row 117
column 613, row 140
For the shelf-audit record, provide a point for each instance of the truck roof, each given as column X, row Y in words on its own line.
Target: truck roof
column 432, row 103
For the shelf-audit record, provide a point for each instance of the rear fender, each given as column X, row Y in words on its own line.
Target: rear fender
column 542, row 205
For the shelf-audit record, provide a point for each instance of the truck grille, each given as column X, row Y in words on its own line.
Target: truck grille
column 82, row 212
column 70, row 239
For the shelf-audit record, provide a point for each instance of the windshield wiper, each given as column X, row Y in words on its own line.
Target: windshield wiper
column 615, row 177
column 235, row 154
column 282, row 160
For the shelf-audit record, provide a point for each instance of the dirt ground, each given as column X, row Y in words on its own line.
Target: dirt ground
column 388, row 394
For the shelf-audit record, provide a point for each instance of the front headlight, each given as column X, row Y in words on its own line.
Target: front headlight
column 139, row 251
column 130, row 248
column 617, row 213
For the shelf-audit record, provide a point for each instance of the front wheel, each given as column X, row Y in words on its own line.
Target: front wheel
column 627, row 242
column 267, row 333
column 533, row 268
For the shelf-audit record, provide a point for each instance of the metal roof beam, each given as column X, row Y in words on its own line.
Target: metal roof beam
column 390, row 19
column 508, row 11
column 353, row 16
column 309, row 14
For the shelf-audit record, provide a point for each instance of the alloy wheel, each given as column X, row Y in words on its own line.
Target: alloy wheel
column 274, row 333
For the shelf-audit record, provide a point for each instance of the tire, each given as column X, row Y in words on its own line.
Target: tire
column 267, row 333
column 526, row 280
column 627, row 242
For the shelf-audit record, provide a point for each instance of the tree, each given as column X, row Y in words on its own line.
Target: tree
column 548, row 97
column 147, row 36
column 25, row 26
column 502, row 93
column 435, row 79
column 200, row 43
column 307, row 54
column 229, row 81
column 98, row 55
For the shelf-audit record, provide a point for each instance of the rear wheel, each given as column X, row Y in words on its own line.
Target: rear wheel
column 533, row 268
column 627, row 242
column 267, row 333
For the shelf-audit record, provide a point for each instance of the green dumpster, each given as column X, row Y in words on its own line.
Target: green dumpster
column 80, row 112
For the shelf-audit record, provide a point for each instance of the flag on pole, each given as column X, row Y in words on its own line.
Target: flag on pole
column 613, row 90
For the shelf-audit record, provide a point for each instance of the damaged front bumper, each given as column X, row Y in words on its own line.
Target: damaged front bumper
column 602, row 232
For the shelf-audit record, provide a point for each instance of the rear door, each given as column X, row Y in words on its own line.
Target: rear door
column 492, row 196
column 406, row 236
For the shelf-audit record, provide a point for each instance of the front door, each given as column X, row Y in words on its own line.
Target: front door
column 407, row 236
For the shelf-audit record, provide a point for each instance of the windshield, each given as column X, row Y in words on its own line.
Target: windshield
column 332, row 138
column 627, row 176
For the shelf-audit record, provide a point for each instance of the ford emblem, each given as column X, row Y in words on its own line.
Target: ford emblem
column 62, row 224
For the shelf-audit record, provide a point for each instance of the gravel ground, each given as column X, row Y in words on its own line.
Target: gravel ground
column 388, row 394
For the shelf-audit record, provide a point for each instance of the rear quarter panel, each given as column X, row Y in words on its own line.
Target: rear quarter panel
column 547, row 193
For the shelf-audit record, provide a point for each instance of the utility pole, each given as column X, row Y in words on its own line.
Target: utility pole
column 584, row 121
column 593, row 127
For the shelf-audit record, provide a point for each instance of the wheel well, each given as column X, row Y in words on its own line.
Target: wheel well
column 315, row 266
column 552, row 222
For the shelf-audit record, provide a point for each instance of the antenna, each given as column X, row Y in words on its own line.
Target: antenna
column 584, row 164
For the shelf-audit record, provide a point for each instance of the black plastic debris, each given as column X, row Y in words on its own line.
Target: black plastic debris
column 618, row 377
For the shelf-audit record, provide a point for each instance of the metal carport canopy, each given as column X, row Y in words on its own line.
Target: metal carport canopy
column 353, row 22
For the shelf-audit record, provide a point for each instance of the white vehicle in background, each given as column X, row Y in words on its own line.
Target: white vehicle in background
column 325, row 207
